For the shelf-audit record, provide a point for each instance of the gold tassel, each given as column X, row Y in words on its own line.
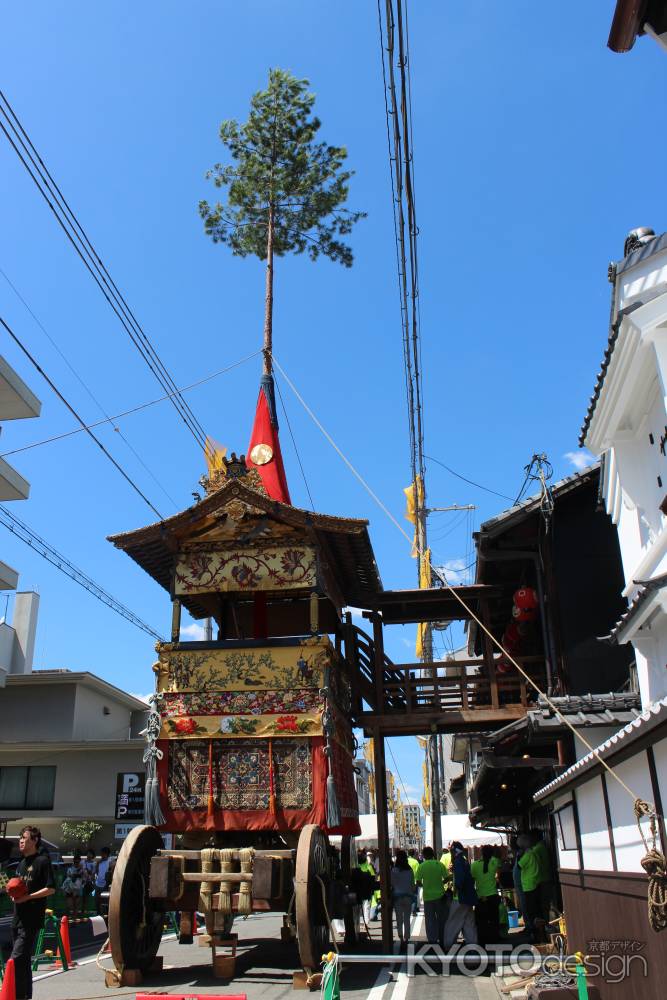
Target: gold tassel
column 209, row 857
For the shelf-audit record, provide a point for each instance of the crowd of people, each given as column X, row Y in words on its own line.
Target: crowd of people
column 89, row 876
column 463, row 898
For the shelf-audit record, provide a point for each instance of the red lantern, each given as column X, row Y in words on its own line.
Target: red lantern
column 511, row 637
column 525, row 599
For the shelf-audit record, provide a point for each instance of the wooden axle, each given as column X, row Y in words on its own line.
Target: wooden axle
column 196, row 855
column 217, row 876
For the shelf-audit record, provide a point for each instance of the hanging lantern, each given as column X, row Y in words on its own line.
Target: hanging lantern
column 525, row 599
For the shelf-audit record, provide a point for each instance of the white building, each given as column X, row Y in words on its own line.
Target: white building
column 626, row 424
column 600, row 848
column 16, row 403
column 65, row 738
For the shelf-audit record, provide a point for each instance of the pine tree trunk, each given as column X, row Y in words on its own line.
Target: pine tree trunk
column 268, row 300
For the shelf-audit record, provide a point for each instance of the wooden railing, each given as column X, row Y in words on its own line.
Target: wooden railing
column 440, row 686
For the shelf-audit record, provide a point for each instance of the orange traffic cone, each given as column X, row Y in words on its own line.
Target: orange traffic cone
column 8, row 988
column 64, row 937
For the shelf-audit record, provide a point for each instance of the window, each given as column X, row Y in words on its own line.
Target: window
column 27, row 787
column 566, row 830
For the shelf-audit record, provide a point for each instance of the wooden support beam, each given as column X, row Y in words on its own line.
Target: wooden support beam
column 175, row 620
column 487, row 647
column 378, row 643
column 217, row 876
column 380, row 769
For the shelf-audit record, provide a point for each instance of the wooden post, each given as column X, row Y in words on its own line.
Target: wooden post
column 379, row 767
column 487, row 646
column 378, row 643
column 175, row 620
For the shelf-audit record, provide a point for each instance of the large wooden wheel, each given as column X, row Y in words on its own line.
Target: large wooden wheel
column 312, row 878
column 135, row 921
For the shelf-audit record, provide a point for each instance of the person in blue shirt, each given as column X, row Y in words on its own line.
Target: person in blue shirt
column 462, row 913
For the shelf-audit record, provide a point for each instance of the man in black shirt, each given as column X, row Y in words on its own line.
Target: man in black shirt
column 35, row 870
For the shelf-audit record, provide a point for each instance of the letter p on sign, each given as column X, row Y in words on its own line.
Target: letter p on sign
column 130, row 782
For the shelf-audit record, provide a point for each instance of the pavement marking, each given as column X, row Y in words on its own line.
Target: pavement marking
column 85, row 961
column 403, row 981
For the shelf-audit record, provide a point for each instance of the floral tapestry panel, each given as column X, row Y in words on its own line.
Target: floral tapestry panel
column 206, row 571
column 187, row 703
column 266, row 668
column 240, row 775
column 233, row 726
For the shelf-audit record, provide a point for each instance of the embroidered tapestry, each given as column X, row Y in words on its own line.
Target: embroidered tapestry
column 212, row 570
column 232, row 726
column 240, row 775
column 267, row 668
column 176, row 703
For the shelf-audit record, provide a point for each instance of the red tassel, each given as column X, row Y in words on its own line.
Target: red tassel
column 272, row 787
column 211, row 802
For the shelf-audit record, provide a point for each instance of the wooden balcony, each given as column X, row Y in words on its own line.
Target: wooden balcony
column 417, row 698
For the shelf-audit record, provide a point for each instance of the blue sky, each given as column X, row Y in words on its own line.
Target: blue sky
column 536, row 150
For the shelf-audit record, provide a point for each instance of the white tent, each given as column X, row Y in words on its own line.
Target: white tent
column 455, row 826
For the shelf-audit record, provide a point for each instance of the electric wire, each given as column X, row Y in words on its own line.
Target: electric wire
column 21, row 530
column 470, row 482
column 296, row 450
column 77, row 236
column 74, row 413
column 132, row 410
column 87, row 388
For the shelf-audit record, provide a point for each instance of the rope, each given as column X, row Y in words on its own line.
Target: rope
column 654, row 861
column 226, row 859
column 246, row 855
column 332, row 929
column 655, row 866
column 209, row 858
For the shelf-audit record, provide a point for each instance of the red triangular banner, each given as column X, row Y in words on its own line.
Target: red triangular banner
column 264, row 449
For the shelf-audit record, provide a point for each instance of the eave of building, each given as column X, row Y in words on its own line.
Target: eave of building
column 644, row 604
column 9, row 578
column 12, row 485
column 641, row 282
column 59, row 746
column 646, row 726
column 17, row 401
column 346, row 540
column 47, row 678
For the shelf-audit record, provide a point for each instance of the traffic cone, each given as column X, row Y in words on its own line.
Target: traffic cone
column 64, row 937
column 8, row 988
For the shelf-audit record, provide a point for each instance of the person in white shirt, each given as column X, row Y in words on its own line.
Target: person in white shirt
column 102, row 876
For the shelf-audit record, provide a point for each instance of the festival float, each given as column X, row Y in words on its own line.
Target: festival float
column 249, row 755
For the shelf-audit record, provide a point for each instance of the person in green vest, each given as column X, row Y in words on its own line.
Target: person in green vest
column 530, row 874
column 484, row 872
column 413, row 861
column 433, row 876
column 545, row 876
column 366, row 865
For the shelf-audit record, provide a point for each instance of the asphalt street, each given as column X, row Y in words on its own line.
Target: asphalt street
column 264, row 970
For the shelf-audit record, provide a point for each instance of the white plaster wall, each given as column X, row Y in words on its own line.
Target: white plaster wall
column 90, row 722
column 660, row 753
column 85, row 780
column 596, row 848
column 629, row 846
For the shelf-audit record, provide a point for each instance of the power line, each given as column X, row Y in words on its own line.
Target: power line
column 77, row 236
column 470, row 482
column 61, row 562
column 296, row 450
column 127, row 413
column 84, row 427
column 87, row 388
